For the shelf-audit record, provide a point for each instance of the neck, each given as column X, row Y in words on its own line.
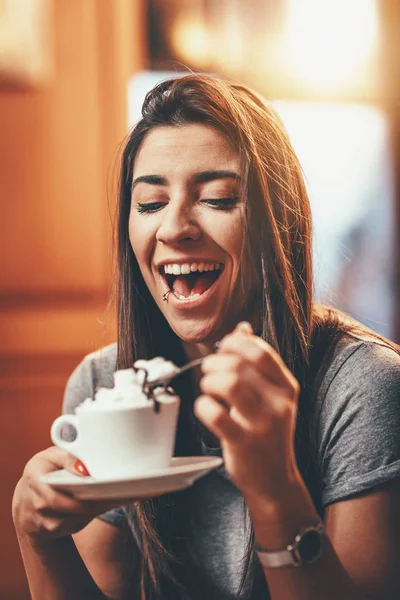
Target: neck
column 193, row 351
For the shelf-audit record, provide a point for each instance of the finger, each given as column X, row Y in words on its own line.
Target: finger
column 249, row 392
column 232, row 361
column 77, row 467
column 260, row 354
column 234, row 389
column 55, row 456
column 55, row 503
column 54, row 526
column 49, row 501
column 216, row 418
column 244, row 327
column 222, row 363
column 52, row 459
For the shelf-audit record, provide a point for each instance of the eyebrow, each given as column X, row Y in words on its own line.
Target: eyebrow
column 203, row 177
column 206, row 176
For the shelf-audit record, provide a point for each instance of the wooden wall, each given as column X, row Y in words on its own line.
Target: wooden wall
column 58, row 149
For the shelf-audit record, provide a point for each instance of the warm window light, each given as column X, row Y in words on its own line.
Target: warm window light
column 201, row 46
column 327, row 44
column 191, row 41
column 229, row 38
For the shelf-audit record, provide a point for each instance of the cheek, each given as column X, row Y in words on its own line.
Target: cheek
column 233, row 239
column 141, row 238
column 234, row 245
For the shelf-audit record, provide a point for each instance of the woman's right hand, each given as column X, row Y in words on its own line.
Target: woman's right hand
column 41, row 513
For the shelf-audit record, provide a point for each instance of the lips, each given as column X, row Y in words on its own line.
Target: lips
column 191, row 277
column 189, row 290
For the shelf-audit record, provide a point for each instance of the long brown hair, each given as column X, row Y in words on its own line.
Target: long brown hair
column 278, row 249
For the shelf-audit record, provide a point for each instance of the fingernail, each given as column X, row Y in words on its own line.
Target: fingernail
column 80, row 467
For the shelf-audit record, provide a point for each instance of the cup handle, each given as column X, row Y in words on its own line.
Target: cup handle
column 55, row 433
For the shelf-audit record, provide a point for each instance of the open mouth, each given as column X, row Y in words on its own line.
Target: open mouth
column 193, row 284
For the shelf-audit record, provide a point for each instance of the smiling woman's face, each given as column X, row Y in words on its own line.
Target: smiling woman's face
column 186, row 228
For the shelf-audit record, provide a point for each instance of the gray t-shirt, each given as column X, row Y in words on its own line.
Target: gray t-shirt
column 357, row 419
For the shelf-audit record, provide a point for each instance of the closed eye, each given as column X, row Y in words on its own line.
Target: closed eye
column 216, row 203
column 222, row 203
column 149, row 207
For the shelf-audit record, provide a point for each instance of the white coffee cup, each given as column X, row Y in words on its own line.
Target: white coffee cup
column 124, row 442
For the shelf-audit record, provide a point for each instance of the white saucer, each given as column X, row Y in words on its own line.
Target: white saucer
column 182, row 473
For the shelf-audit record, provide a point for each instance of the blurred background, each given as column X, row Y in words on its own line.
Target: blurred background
column 73, row 74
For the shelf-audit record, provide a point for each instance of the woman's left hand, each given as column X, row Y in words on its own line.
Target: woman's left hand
column 249, row 402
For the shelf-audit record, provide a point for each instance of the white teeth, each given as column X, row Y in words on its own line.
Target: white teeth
column 185, row 269
column 195, row 295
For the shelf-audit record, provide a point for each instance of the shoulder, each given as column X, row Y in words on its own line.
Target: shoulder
column 358, row 418
column 95, row 370
column 361, row 363
column 102, row 361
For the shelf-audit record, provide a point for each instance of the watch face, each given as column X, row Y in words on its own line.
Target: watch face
column 310, row 546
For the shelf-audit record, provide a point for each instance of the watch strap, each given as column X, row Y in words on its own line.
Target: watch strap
column 277, row 558
column 290, row 555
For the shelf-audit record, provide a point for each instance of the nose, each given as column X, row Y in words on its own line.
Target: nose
column 178, row 224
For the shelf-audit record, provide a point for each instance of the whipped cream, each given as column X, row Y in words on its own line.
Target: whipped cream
column 157, row 368
column 127, row 391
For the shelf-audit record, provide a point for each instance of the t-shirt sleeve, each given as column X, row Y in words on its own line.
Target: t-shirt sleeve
column 94, row 371
column 116, row 517
column 359, row 424
column 80, row 386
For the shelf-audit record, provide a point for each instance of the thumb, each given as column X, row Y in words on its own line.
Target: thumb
column 80, row 468
column 57, row 458
column 76, row 466
column 72, row 464
column 244, row 327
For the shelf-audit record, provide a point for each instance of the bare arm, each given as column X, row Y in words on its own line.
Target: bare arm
column 45, row 521
column 56, row 571
column 112, row 559
column 256, row 424
column 360, row 560
column 365, row 533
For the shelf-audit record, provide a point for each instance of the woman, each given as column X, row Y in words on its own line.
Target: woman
column 214, row 243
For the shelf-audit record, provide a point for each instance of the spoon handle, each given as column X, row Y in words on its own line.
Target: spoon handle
column 195, row 362
column 190, row 365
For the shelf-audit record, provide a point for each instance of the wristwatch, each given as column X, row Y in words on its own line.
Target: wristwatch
column 305, row 549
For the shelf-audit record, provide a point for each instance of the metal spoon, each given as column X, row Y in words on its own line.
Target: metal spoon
column 165, row 381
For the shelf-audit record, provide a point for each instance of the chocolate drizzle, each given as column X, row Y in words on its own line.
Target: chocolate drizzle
column 148, row 389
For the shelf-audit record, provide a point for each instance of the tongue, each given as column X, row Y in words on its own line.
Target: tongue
column 183, row 286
